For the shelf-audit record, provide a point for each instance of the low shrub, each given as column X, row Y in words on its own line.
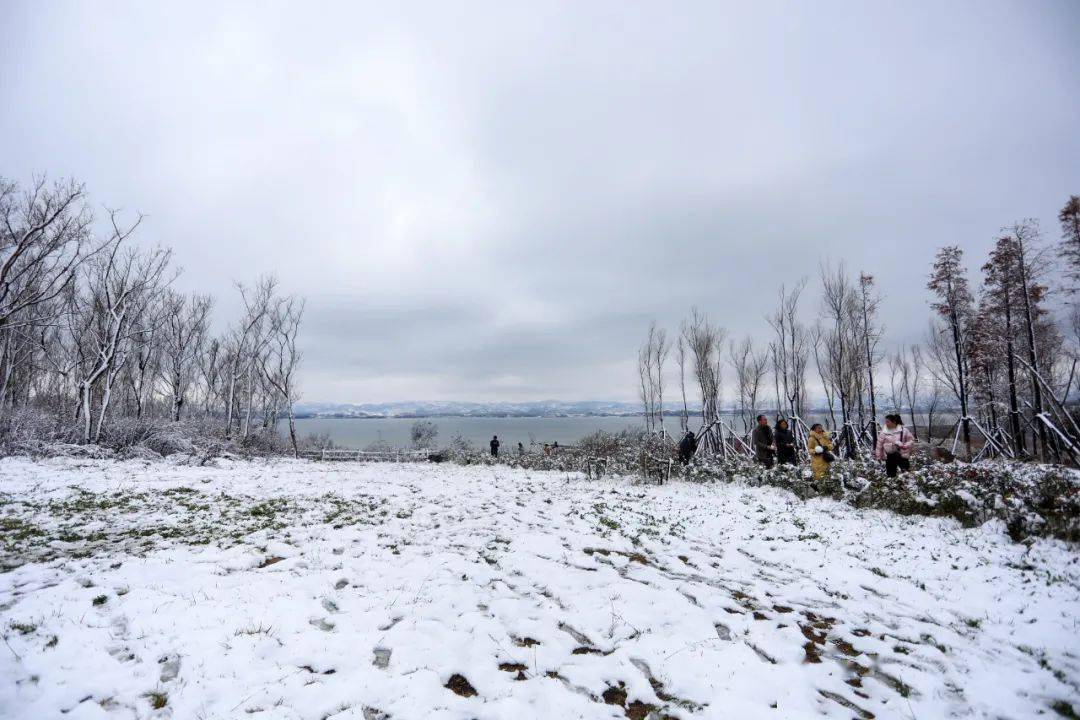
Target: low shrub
column 1032, row 500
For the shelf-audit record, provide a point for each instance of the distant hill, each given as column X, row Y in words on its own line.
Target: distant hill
column 542, row 408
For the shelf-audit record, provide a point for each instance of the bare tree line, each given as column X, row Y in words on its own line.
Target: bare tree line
column 999, row 354
column 92, row 330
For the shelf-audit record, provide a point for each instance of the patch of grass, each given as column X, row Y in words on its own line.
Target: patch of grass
column 259, row 629
column 268, row 508
column 157, row 699
column 22, row 628
column 17, row 533
column 101, row 599
column 609, row 523
column 1064, row 709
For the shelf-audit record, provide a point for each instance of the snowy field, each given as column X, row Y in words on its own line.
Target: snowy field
column 300, row 590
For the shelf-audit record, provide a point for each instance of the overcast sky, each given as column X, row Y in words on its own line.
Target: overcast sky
column 492, row 201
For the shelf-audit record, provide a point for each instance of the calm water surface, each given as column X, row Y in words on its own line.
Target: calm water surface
column 358, row 433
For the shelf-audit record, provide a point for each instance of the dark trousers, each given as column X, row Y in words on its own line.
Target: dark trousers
column 765, row 460
column 895, row 461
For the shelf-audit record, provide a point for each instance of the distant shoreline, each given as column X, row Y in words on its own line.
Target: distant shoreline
column 344, row 416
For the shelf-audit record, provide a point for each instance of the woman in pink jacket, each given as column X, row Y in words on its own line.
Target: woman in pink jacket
column 894, row 445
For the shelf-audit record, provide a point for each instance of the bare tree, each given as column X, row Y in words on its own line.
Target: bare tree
column 651, row 359
column 749, row 367
column 43, row 239
column 185, row 327
column 645, row 376
column 284, row 357
column 911, row 369
column 660, row 348
column 246, row 343
column 1029, row 266
column 424, row 434
column 839, row 340
column 792, row 349
column 1069, row 217
column 120, row 283
column 705, row 341
column 89, row 330
column 871, row 332
column 680, row 356
column 1000, row 295
column 948, row 282
column 931, row 400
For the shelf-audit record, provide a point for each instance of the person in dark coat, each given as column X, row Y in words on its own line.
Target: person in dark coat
column 785, row 443
column 494, row 446
column 687, row 447
column 762, row 440
column 521, row 449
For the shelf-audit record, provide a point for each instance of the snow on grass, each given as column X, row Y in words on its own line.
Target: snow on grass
column 301, row 590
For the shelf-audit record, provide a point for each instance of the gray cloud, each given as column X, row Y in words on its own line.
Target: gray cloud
column 491, row 201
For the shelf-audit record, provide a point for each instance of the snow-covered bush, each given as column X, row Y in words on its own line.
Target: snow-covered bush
column 424, row 434
column 1030, row 499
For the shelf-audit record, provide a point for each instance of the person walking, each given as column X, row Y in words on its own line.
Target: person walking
column 494, row 446
column 762, row 440
column 687, row 447
column 785, row 443
column 894, row 445
column 521, row 449
column 820, row 447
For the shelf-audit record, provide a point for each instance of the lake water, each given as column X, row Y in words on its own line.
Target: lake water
column 360, row 432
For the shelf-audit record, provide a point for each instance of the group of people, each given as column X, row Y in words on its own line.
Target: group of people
column 549, row 448
column 776, row 445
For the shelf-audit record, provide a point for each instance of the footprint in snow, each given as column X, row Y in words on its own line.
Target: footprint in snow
column 170, row 667
column 322, row 624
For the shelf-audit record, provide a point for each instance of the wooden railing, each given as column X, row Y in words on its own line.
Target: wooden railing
column 366, row 455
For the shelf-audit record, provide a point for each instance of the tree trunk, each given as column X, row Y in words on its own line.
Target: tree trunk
column 292, row 432
column 1019, row 446
column 962, row 381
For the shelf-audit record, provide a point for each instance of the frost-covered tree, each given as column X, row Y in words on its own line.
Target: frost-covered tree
column 705, row 342
column 950, row 343
column 283, row 358
column 424, row 434
column 186, row 319
column 1069, row 217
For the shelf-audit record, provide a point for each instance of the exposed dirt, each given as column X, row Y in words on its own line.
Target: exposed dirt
column 526, row 642
column 514, row 668
column 460, row 686
column 615, row 696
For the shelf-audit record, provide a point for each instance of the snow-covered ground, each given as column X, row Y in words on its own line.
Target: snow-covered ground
column 303, row 590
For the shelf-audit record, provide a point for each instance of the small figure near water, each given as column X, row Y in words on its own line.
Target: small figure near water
column 820, row 448
column 494, row 446
column 762, row 440
column 785, row 443
column 687, row 447
column 894, row 445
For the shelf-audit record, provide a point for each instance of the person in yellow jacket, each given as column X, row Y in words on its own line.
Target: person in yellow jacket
column 817, row 445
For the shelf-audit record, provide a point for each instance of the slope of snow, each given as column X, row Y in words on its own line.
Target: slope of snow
column 294, row 590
